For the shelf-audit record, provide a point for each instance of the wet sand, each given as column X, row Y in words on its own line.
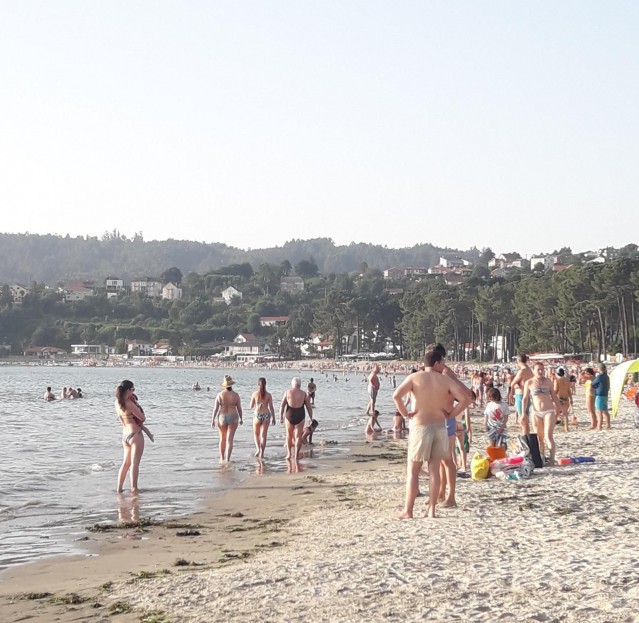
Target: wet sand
column 320, row 546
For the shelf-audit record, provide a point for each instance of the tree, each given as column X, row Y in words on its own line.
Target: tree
column 172, row 275
column 306, row 269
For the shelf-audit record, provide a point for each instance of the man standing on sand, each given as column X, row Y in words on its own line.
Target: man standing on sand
column 373, row 388
column 517, row 390
column 428, row 439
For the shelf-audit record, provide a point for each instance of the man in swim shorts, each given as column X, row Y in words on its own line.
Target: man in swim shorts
column 373, row 388
column 433, row 392
column 311, row 388
column 516, row 390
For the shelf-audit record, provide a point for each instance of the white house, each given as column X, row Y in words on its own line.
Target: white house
column 85, row 350
column 247, row 344
column 113, row 286
column 148, row 286
column 229, row 294
column 450, row 262
column 171, row 292
column 273, row 321
column 18, row 292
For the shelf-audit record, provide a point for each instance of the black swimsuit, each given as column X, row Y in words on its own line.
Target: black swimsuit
column 295, row 415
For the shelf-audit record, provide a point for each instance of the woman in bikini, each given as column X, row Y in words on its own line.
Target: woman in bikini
column 545, row 408
column 294, row 402
column 227, row 405
column 262, row 402
column 131, row 418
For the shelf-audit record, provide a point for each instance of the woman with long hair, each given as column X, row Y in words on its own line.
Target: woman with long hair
column 264, row 416
column 131, row 417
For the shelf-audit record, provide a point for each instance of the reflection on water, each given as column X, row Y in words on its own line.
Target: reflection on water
column 61, row 458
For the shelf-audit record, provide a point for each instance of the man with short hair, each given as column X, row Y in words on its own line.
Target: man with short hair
column 517, row 390
column 432, row 392
column 373, row 388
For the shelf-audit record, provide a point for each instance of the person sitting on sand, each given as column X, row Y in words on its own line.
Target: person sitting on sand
column 49, row 395
column 433, row 392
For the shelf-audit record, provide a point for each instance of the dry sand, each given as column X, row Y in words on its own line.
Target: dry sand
column 324, row 546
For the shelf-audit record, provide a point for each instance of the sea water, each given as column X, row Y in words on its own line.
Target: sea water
column 60, row 459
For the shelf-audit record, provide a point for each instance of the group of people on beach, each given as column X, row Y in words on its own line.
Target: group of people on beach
column 228, row 416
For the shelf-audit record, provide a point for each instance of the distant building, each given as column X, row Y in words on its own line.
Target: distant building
column 84, row 350
column 171, row 292
column 401, row 272
column 453, row 279
column 229, row 294
column 451, row 262
column 161, row 348
column 113, row 286
column 292, row 284
column 18, row 292
column 247, row 344
column 273, row 321
column 44, row 352
column 147, row 286
column 78, row 291
column 138, row 347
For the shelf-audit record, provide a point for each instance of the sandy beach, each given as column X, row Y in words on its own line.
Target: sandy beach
column 324, row 546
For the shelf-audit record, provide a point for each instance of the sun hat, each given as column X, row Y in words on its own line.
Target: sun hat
column 228, row 381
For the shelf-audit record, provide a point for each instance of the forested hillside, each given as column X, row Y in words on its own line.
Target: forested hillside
column 25, row 258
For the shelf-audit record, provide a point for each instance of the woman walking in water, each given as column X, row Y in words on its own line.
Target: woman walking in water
column 293, row 404
column 131, row 418
column 262, row 402
column 227, row 405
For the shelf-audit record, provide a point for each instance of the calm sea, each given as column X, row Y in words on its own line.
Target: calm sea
column 60, row 459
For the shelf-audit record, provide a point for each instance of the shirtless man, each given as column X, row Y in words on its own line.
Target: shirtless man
column 517, row 391
column 311, row 388
column 373, row 388
column 49, row 395
column 433, row 392
column 564, row 393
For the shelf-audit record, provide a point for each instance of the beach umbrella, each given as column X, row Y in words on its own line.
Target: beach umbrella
column 618, row 380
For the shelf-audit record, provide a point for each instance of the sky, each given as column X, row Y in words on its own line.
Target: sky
column 504, row 124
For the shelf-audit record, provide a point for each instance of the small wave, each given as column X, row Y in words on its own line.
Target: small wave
column 96, row 467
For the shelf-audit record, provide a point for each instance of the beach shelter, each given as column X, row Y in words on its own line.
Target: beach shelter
column 618, row 379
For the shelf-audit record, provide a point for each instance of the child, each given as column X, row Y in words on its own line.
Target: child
column 149, row 434
column 495, row 418
column 307, row 435
column 372, row 421
column 464, row 433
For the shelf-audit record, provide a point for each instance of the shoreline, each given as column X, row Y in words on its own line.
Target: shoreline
column 323, row 545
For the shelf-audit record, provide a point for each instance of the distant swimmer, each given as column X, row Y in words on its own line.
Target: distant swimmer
column 71, row 393
column 49, row 395
column 311, row 388
column 79, row 390
column 64, row 394
column 196, row 386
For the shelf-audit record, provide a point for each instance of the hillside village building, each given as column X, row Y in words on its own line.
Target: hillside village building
column 147, row 286
column 18, row 292
column 171, row 292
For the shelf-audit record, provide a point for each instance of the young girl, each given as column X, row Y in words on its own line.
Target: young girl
column 495, row 418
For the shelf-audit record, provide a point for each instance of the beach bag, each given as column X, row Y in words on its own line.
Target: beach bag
column 479, row 467
column 529, row 444
column 496, row 452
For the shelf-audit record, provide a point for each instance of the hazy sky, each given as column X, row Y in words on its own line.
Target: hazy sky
column 510, row 124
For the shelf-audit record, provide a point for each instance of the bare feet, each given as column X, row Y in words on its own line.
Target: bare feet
column 405, row 515
column 430, row 511
column 257, row 453
column 449, row 504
